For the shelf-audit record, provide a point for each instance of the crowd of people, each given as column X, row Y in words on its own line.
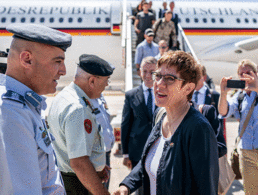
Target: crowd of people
column 171, row 129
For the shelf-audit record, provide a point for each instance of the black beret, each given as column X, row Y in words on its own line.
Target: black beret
column 95, row 65
column 41, row 34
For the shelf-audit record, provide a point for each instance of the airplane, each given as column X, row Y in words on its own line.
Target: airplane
column 220, row 33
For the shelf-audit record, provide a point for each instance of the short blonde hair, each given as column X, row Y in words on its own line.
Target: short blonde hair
column 247, row 62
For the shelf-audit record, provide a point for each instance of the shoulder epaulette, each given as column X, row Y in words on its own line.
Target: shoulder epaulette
column 94, row 110
column 12, row 95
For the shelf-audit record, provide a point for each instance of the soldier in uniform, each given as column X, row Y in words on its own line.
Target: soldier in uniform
column 79, row 143
column 35, row 63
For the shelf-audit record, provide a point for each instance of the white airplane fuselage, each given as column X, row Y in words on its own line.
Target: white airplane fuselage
column 214, row 29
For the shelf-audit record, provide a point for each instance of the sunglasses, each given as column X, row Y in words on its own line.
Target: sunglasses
column 164, row 47
column 168, row 78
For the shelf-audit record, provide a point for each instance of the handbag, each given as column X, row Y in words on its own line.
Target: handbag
column 235, row 164
column 226, row 175
column 235, row 155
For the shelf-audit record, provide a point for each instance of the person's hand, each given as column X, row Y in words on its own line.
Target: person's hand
column 137, row 30
column 223, row 85
column 127, row 162
column 251, row 81
column 104, row 174
column 132, row 17
column 122, row 190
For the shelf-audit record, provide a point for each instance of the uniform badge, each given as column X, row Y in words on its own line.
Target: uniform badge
column 88, row 126
column 106, row 106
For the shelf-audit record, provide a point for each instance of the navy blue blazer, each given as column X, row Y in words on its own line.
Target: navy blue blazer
column 136, row 124
column 212, row 98
column 211, row 115
column 189, row 162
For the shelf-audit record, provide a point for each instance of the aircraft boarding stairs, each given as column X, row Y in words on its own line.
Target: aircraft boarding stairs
column 184, row 45
column 132, row 80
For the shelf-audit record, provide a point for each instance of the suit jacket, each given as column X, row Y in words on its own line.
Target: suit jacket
column 211, row 115
column 136, row 124
column 212, row 98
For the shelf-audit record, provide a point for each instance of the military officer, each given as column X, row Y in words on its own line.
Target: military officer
column 79, row 143
column 103, row 118
column 35, row 63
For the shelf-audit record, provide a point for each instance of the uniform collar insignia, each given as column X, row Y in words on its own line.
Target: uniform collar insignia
column 33, row 98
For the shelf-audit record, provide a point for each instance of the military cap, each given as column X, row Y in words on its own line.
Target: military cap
column 95, row 65
column 149, row 32
column 41, row 34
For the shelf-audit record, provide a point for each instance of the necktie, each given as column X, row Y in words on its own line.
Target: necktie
column 149, row 103
column 196, row 96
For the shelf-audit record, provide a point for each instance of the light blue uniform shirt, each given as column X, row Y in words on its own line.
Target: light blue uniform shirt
column 103, row 118
column 249, row 140
column 29, row 151
column 144, row 49
column 6, row 187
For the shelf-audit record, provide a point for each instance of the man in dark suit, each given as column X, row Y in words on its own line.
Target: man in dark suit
column 137, row 115
column 204, row 95
column 174, row 15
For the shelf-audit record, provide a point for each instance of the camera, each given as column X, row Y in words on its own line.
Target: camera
column 236, row 84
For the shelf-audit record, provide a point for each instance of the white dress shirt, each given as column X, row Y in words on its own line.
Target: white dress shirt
column 201, row 95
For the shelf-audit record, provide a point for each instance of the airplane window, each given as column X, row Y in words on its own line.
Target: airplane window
column 98, row 20
column 213, row 20
column 79, row 20
column 51, row 20
column 204, row 20
column 61, row 20
column 32, row 20
column 221, row 20
column 196, row 20
column 3, row 20
column 246, row 20
column 13, row 20
column 42, row 20
column 23, row 20
column 187, row 20
column 254, row 20
column 238, row 20
column 70, row 20
column 107, row 20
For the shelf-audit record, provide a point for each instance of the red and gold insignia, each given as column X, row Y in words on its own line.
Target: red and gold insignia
column 88, row 126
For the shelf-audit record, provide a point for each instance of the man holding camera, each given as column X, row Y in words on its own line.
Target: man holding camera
column 239, row 105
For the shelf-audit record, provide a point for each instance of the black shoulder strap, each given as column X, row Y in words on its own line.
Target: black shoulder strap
column 240, row 99
column 155, row 30
column 212, row 97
